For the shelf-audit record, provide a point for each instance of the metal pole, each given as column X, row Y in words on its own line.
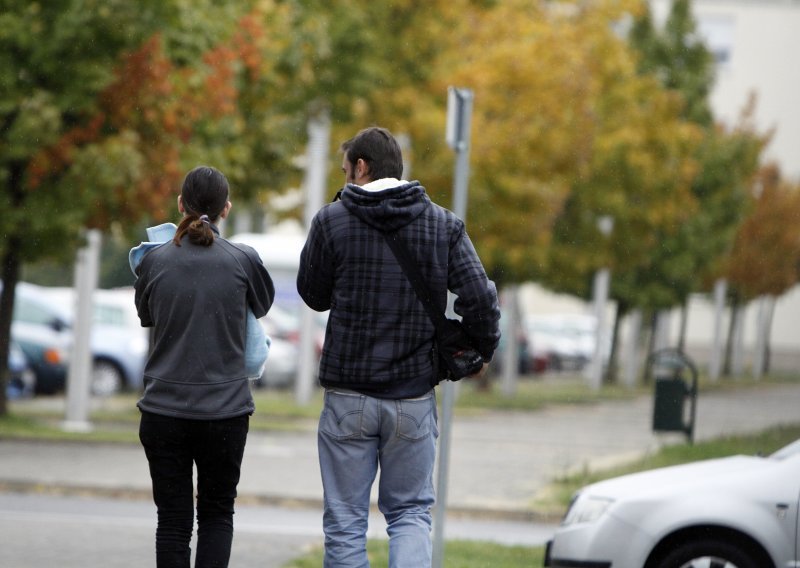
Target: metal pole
column 715, row 363
column 80, row 364
column 319, row 133
column 458, row 136
column 601, row 284
column 630, row 357
column 600, row 289
column 511, row 354
column 762, row 332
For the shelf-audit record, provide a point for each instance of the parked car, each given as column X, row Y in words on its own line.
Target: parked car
column 735, row 512
column 42, row 326
column 527, row 362
column 41, row 333
column 21, row 378
column 118, row 344
column 282, row 325
column 565, row 341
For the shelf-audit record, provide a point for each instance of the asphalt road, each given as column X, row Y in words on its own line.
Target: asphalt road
column 40, row 530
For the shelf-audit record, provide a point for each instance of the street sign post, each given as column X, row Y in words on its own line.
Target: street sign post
column 459, row 118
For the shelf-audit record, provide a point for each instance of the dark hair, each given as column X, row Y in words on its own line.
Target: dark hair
column 204, row 195
column 378, row 148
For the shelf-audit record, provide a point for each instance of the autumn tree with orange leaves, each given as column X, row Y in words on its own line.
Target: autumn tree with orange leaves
column 766, row 254
column 98, row 106
column 765, row 257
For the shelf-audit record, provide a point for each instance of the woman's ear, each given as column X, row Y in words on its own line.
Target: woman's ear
column 180, row 205
column 226, row 210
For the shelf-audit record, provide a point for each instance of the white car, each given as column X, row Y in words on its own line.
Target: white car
column 565, row 340
column 118, row 343
column 736, row 512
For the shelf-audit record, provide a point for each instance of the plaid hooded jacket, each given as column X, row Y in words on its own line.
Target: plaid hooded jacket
column 379, row 337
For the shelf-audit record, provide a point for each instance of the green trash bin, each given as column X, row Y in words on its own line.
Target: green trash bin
column 669, row 404
column 675, row 386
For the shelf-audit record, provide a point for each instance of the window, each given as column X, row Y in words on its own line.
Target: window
column 718, row 32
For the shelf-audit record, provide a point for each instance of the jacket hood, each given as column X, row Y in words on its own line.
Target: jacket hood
column 388, row 209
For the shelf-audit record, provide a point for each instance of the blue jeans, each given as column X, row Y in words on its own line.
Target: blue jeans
column 357, row 434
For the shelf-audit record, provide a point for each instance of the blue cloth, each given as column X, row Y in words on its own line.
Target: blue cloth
column 257, row 342
column 357, row 435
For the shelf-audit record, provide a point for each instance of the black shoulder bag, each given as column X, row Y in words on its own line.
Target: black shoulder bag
column 454, row 354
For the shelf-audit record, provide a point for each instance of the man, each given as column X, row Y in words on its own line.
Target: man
column 377, row 365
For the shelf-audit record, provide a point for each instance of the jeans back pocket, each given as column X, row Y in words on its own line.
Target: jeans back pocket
column 342, row 414
column 416, row 418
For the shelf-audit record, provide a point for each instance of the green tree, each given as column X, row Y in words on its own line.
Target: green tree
column 726, row 159
column 93, row 113
column 678, row 57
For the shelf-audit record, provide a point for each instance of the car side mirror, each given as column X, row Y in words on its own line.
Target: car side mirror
column 58, row 325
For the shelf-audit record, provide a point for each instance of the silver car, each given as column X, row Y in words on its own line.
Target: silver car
column 118, row 342
column 736, row 512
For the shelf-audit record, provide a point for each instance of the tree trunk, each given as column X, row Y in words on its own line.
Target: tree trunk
column 612, row 371
column 727, row 368
column 651, row 346
column 768, row 334
column 632, row 355
column 10, row 276
column 684, row 324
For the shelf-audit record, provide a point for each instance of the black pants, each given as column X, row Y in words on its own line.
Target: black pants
column 172, row 446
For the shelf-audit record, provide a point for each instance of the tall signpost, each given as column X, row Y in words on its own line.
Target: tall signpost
column 459, row 118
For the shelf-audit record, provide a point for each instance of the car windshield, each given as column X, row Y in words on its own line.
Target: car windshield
column 792, row 449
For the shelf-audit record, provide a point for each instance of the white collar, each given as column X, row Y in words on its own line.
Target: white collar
column 383, row 183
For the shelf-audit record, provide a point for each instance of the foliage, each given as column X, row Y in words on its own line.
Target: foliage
column 618, row 149
column 677, row 57
column 408, row 82
column 690, row 255
column 765, row 258
column 99, row 100
column 532, row 153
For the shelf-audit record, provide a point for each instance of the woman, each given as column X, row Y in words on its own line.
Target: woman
column 194, row 291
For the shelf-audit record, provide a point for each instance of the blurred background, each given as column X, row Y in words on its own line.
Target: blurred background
column 633, row 183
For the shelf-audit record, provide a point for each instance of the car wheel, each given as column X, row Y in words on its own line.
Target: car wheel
column 106, row 378
column 708, row 554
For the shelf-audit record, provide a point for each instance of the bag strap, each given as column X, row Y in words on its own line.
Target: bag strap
column 412, row 273
column 409, row 267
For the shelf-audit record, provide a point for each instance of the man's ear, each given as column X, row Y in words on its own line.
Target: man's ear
column 361, row 172
column 362, row 169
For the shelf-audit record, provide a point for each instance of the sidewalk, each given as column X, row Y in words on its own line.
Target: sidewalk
column 499, row 460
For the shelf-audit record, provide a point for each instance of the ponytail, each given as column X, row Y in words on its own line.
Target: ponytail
column 198, row 229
